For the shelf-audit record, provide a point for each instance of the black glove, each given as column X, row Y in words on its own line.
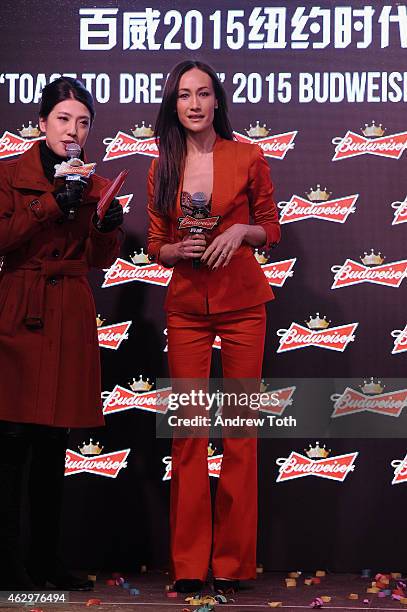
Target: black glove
column 69, row 196
column 113, row 217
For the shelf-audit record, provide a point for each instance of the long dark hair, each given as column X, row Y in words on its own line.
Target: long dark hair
column 170, row 133
column 62, row 89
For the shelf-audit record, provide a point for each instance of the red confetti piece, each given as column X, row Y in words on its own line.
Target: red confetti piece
column 93, row 602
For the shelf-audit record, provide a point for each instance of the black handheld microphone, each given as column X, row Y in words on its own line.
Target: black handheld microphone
column 200, row 210
column 73, row 150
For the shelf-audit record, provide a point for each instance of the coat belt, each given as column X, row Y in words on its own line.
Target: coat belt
column 44, row 272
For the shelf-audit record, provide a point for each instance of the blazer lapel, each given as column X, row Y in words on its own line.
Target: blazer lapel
column 223, row 176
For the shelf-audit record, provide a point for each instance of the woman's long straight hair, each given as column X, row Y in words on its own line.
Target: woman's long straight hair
column 171, row 138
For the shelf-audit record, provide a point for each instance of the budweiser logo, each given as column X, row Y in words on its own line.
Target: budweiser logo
column 353, row 144
column 400, row 213
column 400, row 470
column 352, row 273
column 11, row 145
column 400, row 342
column 214, row 466
column 352, row 401
column 124, row 399
column 125, row 272
column 298, row 466
column 276, row 146
column 278, row 271
column 284, row 398
column 111, row 336
column 123, row 145
column 298, row 209
column 206, row 223
column 125, row 202
column 108, row 465
column 334, row 339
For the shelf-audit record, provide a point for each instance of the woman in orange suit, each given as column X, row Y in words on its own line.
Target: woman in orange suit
column 200, row 162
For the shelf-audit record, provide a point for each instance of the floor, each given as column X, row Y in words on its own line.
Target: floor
column 270, row 587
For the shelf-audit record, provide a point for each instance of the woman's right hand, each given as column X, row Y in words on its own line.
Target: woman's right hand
column 192, row 246
column 69, row 196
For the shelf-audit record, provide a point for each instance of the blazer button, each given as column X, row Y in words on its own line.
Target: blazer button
column 52, row 281
column 56, row 253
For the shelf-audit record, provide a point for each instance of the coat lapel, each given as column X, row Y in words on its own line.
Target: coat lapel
column 30, row 175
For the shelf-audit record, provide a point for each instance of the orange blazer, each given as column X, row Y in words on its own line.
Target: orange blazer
column 242, row 189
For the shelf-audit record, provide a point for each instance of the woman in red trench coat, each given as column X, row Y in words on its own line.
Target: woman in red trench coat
column 49, row 353
column 203, row 171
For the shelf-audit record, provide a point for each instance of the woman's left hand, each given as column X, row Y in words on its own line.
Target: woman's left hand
column 221, row 250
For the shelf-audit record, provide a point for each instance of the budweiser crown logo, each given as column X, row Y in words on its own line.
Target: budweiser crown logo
column 317, row 323
column 30, row 131
column 211, row 450
column 99, row 321
column 140, row 258
column 317, row 451
column 372, row 259
column 372, row 387
column 140, row 385
column 317, row 195
column 90, row 448
column 373, row 131
column 261, row 257
column 142, row 131
column 257, row 131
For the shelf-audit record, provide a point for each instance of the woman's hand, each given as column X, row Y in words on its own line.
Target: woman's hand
column 220, row 251
column 191, row 246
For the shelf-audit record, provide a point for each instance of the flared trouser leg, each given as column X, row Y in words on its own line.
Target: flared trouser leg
column 235, row 524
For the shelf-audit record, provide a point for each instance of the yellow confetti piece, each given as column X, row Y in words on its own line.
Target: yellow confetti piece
column 353, row 596
column 320, row 573
column 326, row 598
column 275, row 604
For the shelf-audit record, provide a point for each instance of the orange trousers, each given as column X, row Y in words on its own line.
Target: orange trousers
column 232, row 539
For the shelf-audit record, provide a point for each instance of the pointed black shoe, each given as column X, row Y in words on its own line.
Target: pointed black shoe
column 60, row 578
column 188, row 585
column 225, row 587
column 69, row 582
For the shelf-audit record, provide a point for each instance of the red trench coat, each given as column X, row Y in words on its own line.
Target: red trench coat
column 49, row 375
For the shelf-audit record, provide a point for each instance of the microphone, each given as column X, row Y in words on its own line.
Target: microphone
column 200, row 210
column 73, row 150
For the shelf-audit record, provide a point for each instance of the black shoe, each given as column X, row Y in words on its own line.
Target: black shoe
column 69, row 582
column 57, row 574
column 188, row 585
column 225, row 587
column 64, row 581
